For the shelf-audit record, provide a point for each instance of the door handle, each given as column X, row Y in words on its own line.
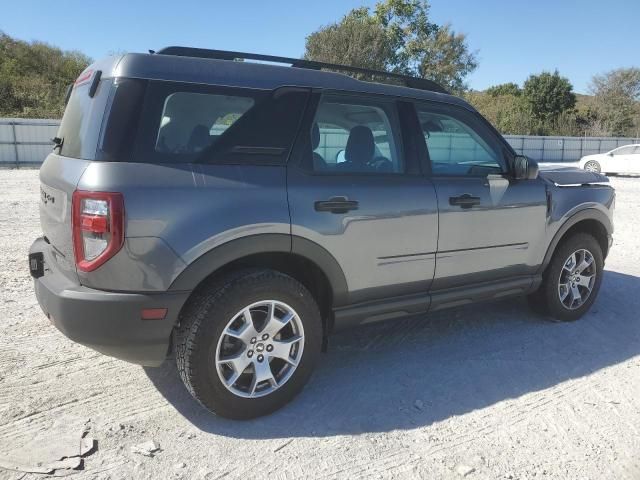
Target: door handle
column 464, row 201
column 336, row 205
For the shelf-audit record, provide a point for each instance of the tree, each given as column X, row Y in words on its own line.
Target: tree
column 396, row 36
column 617, row 95
column 34, row 77
column 507, row 108
column 505, row 112
column 357, row 40
column 547, row 95
column 504, row 89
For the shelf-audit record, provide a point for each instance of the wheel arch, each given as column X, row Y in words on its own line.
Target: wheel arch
column 302, row 259
column 590, row 221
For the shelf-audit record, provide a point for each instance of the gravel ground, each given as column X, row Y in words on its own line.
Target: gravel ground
column 485, row 392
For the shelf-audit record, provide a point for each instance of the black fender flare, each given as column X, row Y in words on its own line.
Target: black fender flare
column 586, row 214
column 228, row 252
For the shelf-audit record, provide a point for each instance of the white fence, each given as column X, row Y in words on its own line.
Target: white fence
column 564, row 149
column 28, row 141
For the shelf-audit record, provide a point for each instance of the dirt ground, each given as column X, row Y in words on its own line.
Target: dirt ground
column 487, row 392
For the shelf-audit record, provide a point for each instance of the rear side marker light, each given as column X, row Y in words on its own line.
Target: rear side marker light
column 153, row 313
column 98, row 227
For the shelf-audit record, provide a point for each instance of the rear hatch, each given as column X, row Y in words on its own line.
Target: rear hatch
column 77, row 140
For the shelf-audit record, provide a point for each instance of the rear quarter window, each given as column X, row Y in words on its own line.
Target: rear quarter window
column 187, row 123
column 192, row 122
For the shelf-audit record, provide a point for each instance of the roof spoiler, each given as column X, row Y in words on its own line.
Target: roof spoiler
column 406, row 80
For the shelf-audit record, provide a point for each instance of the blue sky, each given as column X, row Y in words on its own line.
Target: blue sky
column 513, row 38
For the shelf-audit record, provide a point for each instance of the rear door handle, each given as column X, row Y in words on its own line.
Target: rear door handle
column 464, row 201
column 336, row 205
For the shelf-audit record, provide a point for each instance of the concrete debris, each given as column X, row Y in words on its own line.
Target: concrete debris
column 57, row 456
column 148, row 449
column 464, row 470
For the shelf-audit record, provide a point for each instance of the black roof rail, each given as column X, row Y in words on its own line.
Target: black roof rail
column 406, row 80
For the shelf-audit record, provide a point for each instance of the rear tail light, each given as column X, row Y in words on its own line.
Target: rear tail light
column 98, row 227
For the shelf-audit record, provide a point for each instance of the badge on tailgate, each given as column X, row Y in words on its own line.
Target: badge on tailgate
column 52, row 201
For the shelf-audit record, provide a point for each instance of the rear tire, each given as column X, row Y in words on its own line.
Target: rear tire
column 240, row 373
column 572, row 279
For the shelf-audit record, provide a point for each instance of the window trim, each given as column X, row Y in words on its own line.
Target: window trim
column 485, row 131
column 302, row 146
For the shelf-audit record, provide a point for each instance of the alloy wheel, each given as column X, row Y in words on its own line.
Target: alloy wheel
column 260, row 349
column 577, row 278
column 592, row 167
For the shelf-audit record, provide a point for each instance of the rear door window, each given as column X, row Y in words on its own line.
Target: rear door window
column 356, row 135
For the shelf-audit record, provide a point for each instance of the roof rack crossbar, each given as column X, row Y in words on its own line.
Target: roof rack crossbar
column 409, row 81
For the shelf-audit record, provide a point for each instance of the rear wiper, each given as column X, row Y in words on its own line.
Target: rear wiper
column 67, row 94
column 57, row 142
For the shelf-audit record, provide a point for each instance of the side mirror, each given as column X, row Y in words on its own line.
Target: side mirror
column 524, row 168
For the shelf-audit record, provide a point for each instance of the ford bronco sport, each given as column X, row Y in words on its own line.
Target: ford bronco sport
column 238, row 212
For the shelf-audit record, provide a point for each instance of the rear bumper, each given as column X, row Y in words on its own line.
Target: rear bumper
column 108, row 322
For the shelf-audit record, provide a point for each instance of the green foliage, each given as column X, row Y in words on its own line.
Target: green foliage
column 617, row 95
column 397, row 37
column 356, row 40
column 548, row 95
column 504, row 89
column 507, row 108
column 505, row 112
column 34, row 77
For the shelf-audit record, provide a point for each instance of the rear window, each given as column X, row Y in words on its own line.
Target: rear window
column 185, row 123
column 82, row 119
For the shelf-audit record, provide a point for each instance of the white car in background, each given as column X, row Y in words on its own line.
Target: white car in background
column 619, row 160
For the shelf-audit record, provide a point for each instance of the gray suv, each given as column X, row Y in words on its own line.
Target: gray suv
column 235, row 213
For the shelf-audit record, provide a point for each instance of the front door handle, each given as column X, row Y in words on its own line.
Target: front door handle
column 336, row 205
column 464, row 201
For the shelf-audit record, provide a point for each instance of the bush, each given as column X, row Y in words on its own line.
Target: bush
column 34, row 78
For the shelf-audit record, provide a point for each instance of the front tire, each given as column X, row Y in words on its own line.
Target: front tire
column 572, row 280
column 247, row 344
column 592, row 166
